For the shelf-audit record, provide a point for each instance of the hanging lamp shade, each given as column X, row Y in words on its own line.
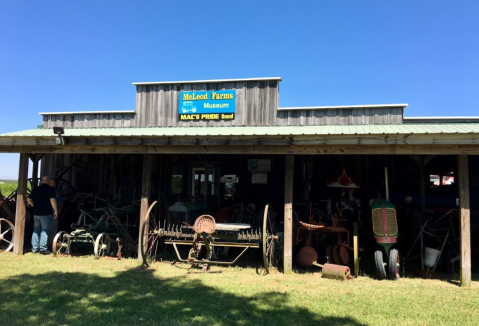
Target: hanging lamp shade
column 343, row 181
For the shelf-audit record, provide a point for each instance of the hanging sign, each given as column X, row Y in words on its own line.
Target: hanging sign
column 207, row 105
column 259, row 177
column 259, row 165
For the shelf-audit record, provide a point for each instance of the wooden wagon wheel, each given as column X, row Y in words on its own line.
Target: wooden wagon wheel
column 7, row 233
column 268, row 241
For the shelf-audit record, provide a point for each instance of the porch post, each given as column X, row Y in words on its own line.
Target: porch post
column 35, row 158
column 21, row 205
column 288, row 214
column 464, row 220
column 145, row 195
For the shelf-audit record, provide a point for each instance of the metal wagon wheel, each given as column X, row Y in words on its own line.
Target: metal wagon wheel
column 7, row 233
column 154, row 244
column 268, row 241
column 150, row 236
column 61, row 243
column 102, row 245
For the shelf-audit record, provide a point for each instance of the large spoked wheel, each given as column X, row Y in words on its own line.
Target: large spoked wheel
column 153, row 244
column 150, row 235
column 380, row 269
column 268, row 241
column 102, row 245
column 7, row 233
column 394, row 265
column 61, row 243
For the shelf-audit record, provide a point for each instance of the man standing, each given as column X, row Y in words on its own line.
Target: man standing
column 43, row 200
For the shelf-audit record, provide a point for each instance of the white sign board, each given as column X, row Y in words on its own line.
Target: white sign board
column 259, row 177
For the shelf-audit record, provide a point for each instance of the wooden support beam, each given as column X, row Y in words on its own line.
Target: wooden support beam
column 288, row 214
column 145, row 195
column 247, row 139
column 21, row 208
column 356, row 248
column 251, row 149
column 34, row 159
column 464, row 220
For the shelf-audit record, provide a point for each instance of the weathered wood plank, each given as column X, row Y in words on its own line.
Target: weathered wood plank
column 288, row 215
column 21, row 208
column 258, row 149
column 144, row 201
column 464, row 220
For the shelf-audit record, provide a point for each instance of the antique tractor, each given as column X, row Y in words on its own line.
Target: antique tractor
column 385, row 230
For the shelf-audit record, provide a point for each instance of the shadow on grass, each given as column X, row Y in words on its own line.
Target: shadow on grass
column 137, row 297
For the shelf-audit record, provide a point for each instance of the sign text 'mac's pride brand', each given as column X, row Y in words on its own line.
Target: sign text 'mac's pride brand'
column 207, row 105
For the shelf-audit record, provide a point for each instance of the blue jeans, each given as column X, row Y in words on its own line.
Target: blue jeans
column 41, row 227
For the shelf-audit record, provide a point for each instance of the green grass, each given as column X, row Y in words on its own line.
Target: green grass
column 7, row 187
column 47, row 290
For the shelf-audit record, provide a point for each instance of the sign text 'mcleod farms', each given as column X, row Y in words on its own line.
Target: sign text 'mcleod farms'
column 207, row 105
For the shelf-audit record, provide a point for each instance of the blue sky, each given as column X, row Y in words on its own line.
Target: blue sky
column 84, row 55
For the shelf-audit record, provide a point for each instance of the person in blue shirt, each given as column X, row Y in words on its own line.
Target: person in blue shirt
column 44, row 202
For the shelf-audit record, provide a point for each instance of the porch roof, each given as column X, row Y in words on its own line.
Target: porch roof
column 357, row 130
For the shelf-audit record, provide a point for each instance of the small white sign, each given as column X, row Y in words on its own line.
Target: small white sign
column 259, row 177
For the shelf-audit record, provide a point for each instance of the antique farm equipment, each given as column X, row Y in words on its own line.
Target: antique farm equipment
column 307, row 257
column 339, row 254
column 96, row 227
column 7, row 232
column 204, row 236
column 385, row 230
column 7, row 228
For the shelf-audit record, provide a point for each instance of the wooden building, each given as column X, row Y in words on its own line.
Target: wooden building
column 212, row 129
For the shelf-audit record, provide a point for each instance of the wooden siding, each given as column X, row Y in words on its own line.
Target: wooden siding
column 252, row 115
column 256, row 104
column 90, row 120
column 353, row 116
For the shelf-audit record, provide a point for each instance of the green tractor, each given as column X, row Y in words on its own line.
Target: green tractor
column 385, row 229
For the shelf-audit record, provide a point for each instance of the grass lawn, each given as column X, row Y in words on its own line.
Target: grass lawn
column 48, row 290
column 7, row 187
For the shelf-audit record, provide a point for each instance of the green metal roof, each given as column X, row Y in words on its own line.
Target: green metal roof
column 456, row 128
